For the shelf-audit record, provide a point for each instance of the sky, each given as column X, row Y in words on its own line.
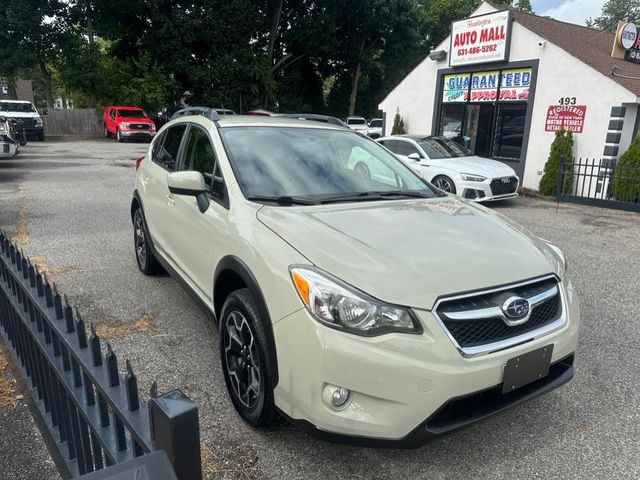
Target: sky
column 573, row 11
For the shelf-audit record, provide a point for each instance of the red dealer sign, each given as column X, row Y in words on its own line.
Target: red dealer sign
column 569, row 117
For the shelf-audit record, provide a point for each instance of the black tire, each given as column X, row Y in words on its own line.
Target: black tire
column 444, row 183
column 362, row 169
column 147, row 262
column 106, row 132
column 41, row 137
column 246, row 360
column 119, row 136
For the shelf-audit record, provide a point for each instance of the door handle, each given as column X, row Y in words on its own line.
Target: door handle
column 170, row 200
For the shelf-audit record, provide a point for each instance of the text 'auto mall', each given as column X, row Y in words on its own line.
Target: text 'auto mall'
column 504, row 81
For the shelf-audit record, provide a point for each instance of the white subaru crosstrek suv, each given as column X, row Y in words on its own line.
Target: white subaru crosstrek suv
column 376, row 311
column 453, row 168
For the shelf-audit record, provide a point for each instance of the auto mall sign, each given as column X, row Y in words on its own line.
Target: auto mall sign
column 480, row 39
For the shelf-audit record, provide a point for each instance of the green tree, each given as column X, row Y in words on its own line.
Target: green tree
column 398, row 124
column 615, row 10
column 30, row 37
column 523, row 6
column 562, row 146
column 625, row 185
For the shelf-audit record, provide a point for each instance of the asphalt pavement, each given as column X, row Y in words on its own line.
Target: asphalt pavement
column 68, row 203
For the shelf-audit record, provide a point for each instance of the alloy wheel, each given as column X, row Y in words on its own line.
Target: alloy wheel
column 362, row 170
column 444, row 184
column 140, row 241
column 242, row 360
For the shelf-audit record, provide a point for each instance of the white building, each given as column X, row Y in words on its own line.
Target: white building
column 507, row 80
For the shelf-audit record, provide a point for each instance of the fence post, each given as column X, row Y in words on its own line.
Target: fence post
column 560, row 178
column 175, row 429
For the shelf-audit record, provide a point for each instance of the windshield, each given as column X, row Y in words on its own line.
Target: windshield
column 132, row 114
column 316, row 164
column 437, row 147
column 356, row 121
column 376, row 123
column 23, row 107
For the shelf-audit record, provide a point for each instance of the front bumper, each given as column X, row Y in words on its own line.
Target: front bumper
column 142, row 134
column 398, row 380
column 482, row 191
column 31, row 132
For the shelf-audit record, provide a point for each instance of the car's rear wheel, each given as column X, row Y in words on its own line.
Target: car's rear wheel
column 244, row 355
column 106, row 132
column 147, row 262
column 444, row 183
column 362, row 170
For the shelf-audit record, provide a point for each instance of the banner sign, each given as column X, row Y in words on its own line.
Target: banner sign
column 569, row 117
column 480, row 39
column 456, row 87
column 515, row 84
column 484, row 86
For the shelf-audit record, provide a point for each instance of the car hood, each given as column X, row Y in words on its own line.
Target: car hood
column 475, row 165
column 411, row 252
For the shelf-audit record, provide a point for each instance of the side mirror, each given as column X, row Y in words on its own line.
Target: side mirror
column 189, row 184
column 414, row 156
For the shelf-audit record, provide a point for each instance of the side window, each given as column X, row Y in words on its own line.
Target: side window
column 112, row 114
column 168, row 153
column 157, row 147
column 391, row 145
column 406, row 148
column 199, row 155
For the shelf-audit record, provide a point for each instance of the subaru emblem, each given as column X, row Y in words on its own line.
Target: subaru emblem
column 516, row 310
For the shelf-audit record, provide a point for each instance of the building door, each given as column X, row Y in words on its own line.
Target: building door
column 478, row 128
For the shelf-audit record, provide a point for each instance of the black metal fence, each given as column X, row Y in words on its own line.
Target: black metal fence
column 94, row 415
column 601, row 183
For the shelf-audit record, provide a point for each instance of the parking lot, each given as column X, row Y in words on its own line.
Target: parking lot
column 67, row 203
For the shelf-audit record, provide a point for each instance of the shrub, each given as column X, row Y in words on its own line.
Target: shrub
column 562, row 146
column 625, row 184
column 398, row 124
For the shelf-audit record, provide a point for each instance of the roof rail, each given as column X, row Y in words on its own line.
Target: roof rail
column 207, row 112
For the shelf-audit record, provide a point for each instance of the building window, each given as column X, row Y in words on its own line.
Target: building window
column 485, row 111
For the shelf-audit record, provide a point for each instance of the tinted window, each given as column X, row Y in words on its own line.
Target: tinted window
column 199, row 155
column 356, row 121
column 22, row 107
column 376, row 124
column 405, row 148
column 168, row 154
column 391, row 145
column 157, row 147
column 132, row 114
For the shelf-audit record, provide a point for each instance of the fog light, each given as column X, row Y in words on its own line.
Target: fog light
column 340, row 397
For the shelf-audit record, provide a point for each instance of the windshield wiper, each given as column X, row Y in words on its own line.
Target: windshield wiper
column 374, row 195
column 282, row 200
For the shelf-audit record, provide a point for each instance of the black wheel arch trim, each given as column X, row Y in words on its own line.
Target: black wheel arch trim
column 237, row 266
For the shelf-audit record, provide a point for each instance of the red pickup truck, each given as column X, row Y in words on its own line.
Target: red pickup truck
column 127, row 122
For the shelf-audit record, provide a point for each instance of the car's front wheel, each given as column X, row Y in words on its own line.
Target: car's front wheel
column 147, row 262
column 119, row 136
column 244, row 355
column 444, row 183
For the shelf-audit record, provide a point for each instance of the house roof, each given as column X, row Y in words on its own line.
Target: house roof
column 588, row 45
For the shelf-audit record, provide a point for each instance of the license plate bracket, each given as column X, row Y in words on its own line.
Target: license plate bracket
column 527, row 368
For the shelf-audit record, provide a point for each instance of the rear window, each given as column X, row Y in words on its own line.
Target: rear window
column 132, row 114
column 21, row 107
column 356, row 121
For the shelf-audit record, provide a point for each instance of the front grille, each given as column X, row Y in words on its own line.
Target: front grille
column 139, row 126
column 502, row 186
column 474, row 332
column 25, row 122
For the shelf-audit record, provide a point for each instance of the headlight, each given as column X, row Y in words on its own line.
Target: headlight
column 558, row 253
column 467, row 177
column 3, row 129
column 339, row 306
column 124, row 125
column 39, row 122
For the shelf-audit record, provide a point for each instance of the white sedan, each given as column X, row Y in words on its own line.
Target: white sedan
column 454, row 169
